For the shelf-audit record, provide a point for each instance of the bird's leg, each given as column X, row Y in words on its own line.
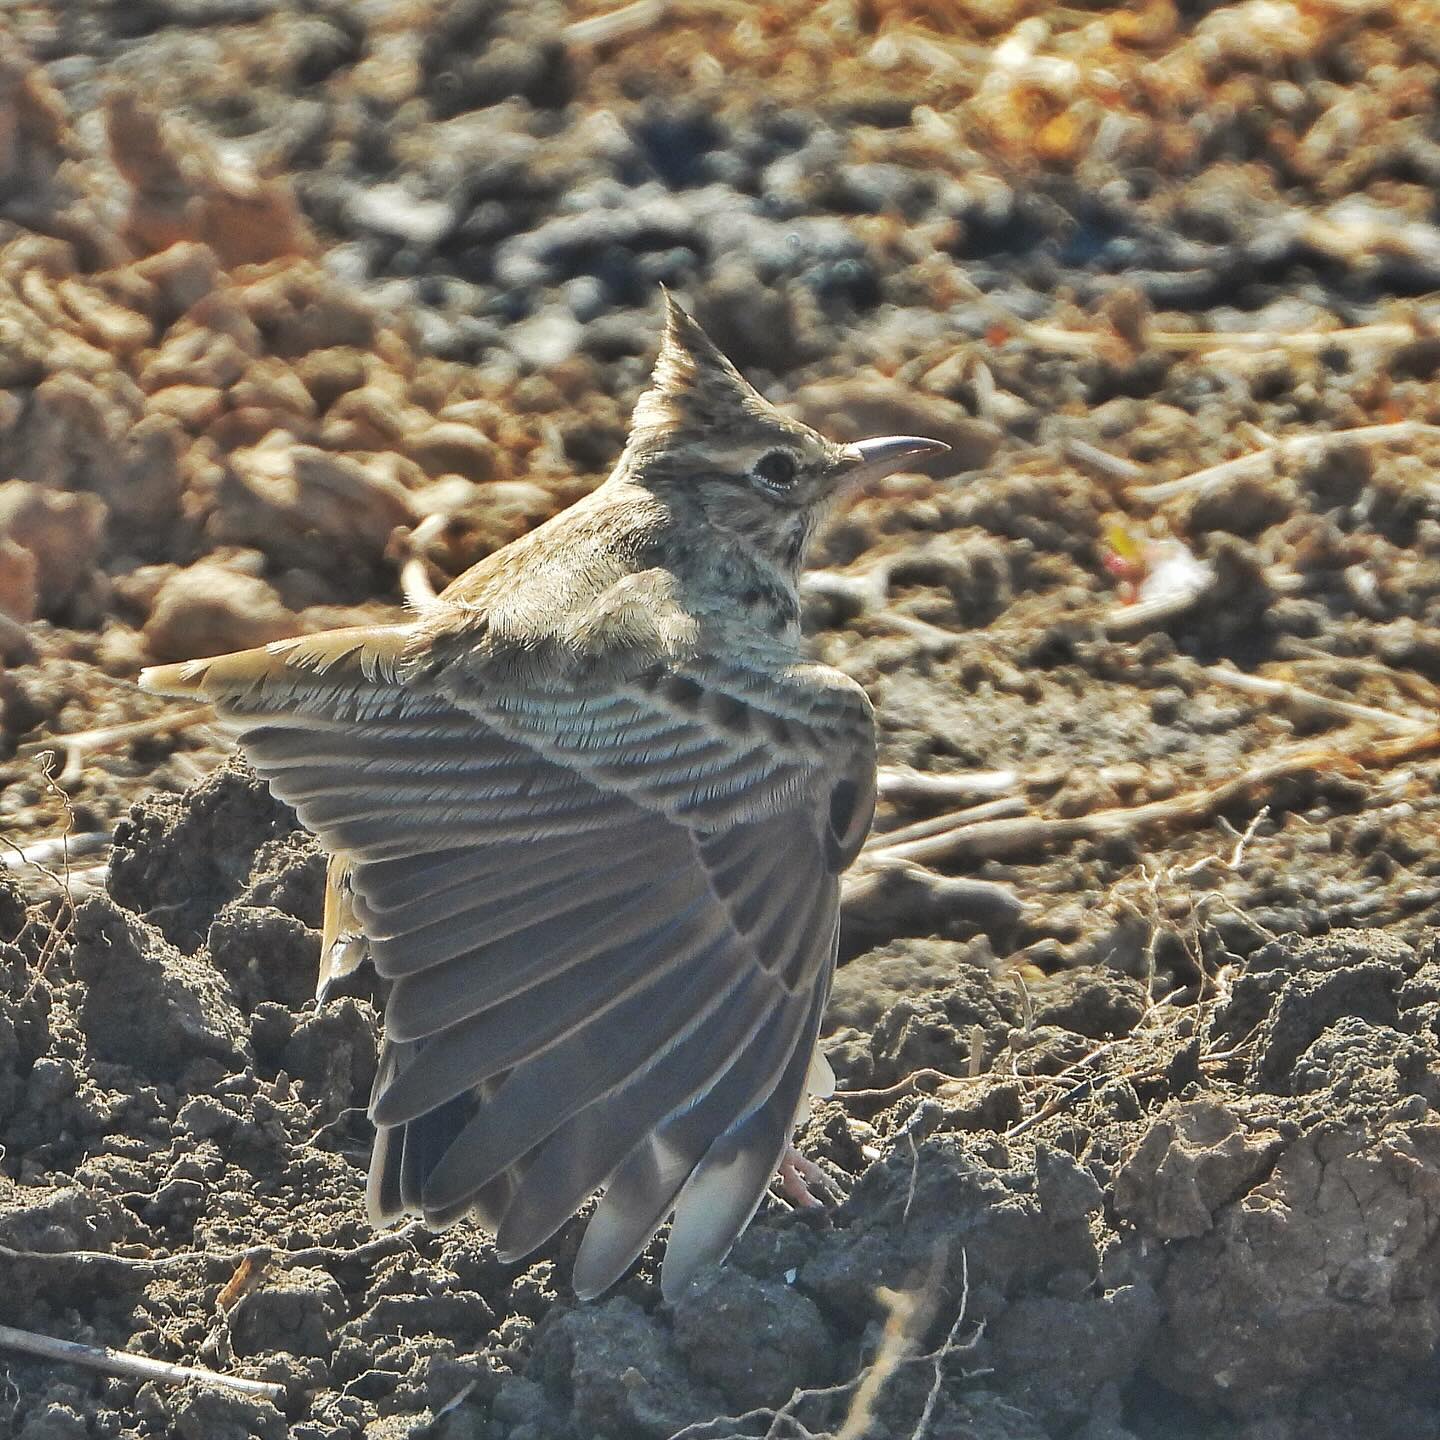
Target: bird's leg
column 797, row 1174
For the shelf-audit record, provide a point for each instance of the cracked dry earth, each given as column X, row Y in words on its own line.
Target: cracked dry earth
column 1138, row 1049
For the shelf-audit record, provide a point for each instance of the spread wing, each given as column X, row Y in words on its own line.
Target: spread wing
column 608, row 917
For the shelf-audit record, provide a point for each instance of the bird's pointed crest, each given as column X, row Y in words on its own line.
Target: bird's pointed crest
column 694, row 389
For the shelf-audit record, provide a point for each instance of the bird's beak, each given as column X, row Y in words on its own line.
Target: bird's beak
column 875, row 459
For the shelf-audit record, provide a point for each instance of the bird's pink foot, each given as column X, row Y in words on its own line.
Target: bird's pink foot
column 797, row 1175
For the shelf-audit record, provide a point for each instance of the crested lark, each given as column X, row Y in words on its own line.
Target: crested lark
column 589, row 813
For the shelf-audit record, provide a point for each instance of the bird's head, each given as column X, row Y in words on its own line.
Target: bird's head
column 702, row 430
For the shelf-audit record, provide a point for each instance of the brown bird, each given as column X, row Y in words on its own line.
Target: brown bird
column 589, row 813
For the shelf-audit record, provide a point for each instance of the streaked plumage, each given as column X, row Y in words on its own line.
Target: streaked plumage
column 588, row 814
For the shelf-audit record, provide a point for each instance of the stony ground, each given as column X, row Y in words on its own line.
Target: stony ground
column 1138, row 1030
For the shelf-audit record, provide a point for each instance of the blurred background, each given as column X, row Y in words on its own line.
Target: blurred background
column 306, row 305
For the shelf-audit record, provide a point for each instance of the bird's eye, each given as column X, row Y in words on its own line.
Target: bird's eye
column 776, row 469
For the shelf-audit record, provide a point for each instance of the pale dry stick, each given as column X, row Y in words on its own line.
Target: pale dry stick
column 1249, row 430
column 136, row 1367
column 82, row 743
column 1205, row 342
column 1242, row 842
column 946, row 1086
column 415, row 583
column 1296, row 695
column 1004, row 808
column 1073, row 342
column 63, row 922
column 705, row 1429
column 1101, row 463
column 869, row 590
column 934, row 638
column 392, row 1242
column 40, row 853
column 902, row 784
column 1377, row 335
column 455, row 1401
column 1416, row 686
column 1380, row 335
column 902, row 1086
column 914, row 1172
column 975, row 1058
column 910, row 1312
column 909, row 841
column 1005, row 839
column 612, row 25
column 1297, row 447
column 924, row 1302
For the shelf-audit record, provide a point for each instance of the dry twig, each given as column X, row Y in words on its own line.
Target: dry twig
column 83, row 743
column 614, row 24
column 901, row 784
column 1002, row 839
column 138, row 1367
column 1297, row 447
column 392, row 1242
column 1291, row 694
column 894, row 844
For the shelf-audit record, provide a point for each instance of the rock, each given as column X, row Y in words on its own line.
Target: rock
column 181, row 274
column 266, row 954
column 19, row 580
column 313, row 510
column 63, row 532
column 145, row 1005
column 449, row 448
column 622, row 1370
column 195, row 355
column 181, row 191
column 364, row 418
column 393, row 211
column 545, row 339
column 1329, row 1260
column 194, row 406
column 299, row 308
column 211, row 1414
column 329, row 374
column 1192, row 1161
column 271, row 385
column 208, row 609
column 332, row 1053
column 755, row 1341
column 915, row 1201
column 1053, row 1356
column 296, row 1310
column 25, row 351
column 185, row 857
column 101, row 321
column 37, row 143
column 69, row 435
